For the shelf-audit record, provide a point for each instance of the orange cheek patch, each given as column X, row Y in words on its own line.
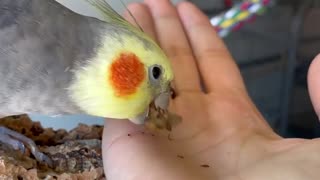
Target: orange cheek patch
column 127, row 73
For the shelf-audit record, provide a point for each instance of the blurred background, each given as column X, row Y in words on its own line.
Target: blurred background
column 273, row 50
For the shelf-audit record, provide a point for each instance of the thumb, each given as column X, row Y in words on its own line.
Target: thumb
column 314, row 84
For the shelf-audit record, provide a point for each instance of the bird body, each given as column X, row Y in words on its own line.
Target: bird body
column 40, row 43
column 54, row 61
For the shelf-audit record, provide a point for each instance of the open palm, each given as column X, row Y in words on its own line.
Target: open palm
column 223, row 135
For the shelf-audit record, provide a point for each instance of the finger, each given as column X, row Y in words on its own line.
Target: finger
column 216, row 65
column 115, row 134
column 142, row 15
column 314, row 84
column 115, row 129
column 172, row 39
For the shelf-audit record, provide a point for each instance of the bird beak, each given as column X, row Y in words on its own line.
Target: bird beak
column 141, row 118
column 162, row 100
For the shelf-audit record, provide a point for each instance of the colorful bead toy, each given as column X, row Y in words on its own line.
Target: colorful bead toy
column 237, row 16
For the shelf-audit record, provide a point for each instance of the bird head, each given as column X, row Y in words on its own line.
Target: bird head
column 127, row 73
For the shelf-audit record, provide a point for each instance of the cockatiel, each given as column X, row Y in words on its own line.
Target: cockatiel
column 54, row 61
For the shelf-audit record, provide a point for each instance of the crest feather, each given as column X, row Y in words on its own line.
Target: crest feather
column 110, row 15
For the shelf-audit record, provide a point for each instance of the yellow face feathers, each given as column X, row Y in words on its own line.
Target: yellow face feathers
column 116, row 82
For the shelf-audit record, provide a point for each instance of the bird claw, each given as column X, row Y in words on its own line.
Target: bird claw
column 15, row 144
column 19, row 142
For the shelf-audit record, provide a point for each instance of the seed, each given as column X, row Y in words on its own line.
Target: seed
column 205, row 165
column 181, row 157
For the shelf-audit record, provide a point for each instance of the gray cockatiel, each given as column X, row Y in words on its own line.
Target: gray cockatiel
column 54, row 62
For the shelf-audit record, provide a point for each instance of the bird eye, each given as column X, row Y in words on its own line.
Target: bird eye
column 155, row 73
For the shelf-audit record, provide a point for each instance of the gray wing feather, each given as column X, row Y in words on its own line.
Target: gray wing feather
column 40, row 40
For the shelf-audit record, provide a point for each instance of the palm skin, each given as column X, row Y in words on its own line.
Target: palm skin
column 223, row 135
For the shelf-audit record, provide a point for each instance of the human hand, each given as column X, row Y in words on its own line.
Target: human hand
column 222, row 135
